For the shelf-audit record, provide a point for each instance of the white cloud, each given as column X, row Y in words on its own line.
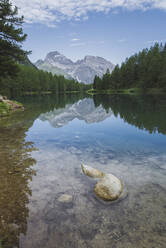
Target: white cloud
column 50, row 12
column 75, row 39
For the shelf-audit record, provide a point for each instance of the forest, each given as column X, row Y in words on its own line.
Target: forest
column 144, row 70
column 31, row 80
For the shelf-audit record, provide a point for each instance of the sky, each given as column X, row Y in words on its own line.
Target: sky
column 113, row 29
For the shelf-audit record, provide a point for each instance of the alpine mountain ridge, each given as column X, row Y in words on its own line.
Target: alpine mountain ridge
column 82, row 70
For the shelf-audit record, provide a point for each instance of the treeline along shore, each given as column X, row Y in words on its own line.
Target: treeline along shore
column 144, row 71
column 30, row 80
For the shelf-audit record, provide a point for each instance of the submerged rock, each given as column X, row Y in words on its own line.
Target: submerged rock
column 108, row 188
column 65, row 198
column 91, row 172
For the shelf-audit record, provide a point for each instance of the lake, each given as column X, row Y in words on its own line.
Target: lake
column 41, row 151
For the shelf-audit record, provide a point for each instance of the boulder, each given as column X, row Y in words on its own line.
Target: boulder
column 91, row 172
column 108, row 187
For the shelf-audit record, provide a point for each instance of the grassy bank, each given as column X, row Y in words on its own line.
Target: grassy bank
column 133, row 91
column 4, row 109
column 7, row 106
column 31, row 93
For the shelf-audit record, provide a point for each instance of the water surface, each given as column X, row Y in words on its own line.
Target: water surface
column 41, row 150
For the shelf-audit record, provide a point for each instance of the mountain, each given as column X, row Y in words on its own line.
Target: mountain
column 40, row 64
column 82, row 70
column 82, row 110
column 27, row 62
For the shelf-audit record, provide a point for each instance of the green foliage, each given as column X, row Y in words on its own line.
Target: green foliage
column 11, row 37
column 29, row 79
column 144, row 70
column 4, row 108
column 97, row 83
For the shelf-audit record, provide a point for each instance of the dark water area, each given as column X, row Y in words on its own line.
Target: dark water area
column 41, row 151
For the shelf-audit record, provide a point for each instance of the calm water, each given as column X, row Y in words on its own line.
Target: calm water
column 41, row 150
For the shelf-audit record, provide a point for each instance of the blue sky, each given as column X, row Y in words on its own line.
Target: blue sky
column 113, row 29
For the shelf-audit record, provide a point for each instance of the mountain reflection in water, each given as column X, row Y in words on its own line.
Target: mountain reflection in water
column 82, row 110
column 145, row 112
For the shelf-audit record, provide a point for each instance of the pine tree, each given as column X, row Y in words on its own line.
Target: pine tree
column 11, row 37
column 95, row 82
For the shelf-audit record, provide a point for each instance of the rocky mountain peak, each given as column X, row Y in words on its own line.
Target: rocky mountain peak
column 39, row 62
column 53, row 54
column 57, row 59
column 82, row 70
column 89, row 57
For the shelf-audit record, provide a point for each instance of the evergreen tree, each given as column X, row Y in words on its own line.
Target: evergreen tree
column 106, row 79
column 144, row 70
column 97, row 85
column 11, row 37
column 29, row 79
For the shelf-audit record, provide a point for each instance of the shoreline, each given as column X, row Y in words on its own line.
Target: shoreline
column 130, row 91
column 8, row 106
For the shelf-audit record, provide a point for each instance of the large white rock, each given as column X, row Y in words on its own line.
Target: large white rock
column 108, row 188
column 91, row 172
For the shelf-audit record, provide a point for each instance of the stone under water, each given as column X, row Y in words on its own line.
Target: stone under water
column 108, row 188
column 65, row 198
column 91, row 172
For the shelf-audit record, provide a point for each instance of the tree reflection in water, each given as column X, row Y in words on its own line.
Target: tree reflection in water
column 145, row 112
column 16, row 170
